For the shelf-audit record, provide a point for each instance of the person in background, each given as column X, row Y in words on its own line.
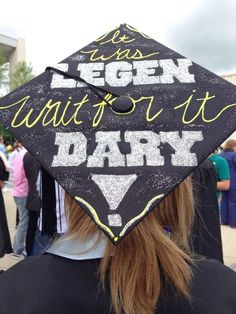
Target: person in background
column 9, row 148
column 5, row 241
column 12, row 157
column 222, row 172
column 13, row 154
column 206, row 233
column 2, row 147
column 228, row 201
column 20, row 192
column 52, row 221
column 33, row 203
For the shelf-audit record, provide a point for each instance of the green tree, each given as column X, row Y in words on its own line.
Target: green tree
column 4, row 74
column 22, row 74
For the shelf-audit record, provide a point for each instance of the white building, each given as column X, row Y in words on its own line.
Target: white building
column 13, row 49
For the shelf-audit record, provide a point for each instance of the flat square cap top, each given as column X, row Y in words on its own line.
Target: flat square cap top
column 120, row 123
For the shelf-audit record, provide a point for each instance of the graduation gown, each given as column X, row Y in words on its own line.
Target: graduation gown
column 206, row 234
column 228, row 202
column 5, row 241
column 51, row 284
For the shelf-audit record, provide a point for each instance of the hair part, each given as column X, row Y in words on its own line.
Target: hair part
column 137, row 265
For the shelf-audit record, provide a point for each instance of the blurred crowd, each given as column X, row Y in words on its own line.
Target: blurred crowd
column 39, row 200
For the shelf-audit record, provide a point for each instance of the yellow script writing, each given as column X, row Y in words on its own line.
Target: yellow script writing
column 201, row 111
column 119, row 54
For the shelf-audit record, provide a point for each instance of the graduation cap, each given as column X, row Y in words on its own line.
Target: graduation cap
column 120, row 123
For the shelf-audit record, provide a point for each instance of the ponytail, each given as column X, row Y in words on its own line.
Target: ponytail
column 146, row 258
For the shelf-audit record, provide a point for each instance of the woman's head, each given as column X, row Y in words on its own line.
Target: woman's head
column 230, row 145
column 136, row 264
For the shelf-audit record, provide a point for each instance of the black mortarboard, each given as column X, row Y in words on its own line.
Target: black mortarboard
column 120, row 123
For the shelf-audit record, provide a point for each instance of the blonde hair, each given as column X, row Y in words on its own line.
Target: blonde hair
column 230, row 144
column 137, row 265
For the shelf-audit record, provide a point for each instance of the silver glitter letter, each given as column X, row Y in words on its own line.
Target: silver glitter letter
column 114, row 189
column 75, row 140
column 107, row 148
column 181, row 72
column 89, row 73
column 143, row 144
column 182, row 156
column 145, row 69
column 119, row 73
column 58, row 80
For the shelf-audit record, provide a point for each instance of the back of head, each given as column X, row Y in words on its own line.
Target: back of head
column 230, row 145
column 137, row 266
column 15, row 145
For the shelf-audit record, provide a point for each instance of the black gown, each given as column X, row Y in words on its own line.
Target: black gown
column 206, row 235
column 33, row 204
column 5, row 241
column 51, row 284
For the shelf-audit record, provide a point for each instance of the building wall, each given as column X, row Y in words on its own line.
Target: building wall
column 13, row 49
column 17, row 55
column 230, row 77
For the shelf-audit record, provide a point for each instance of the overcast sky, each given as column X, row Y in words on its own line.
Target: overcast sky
column 202, row 30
